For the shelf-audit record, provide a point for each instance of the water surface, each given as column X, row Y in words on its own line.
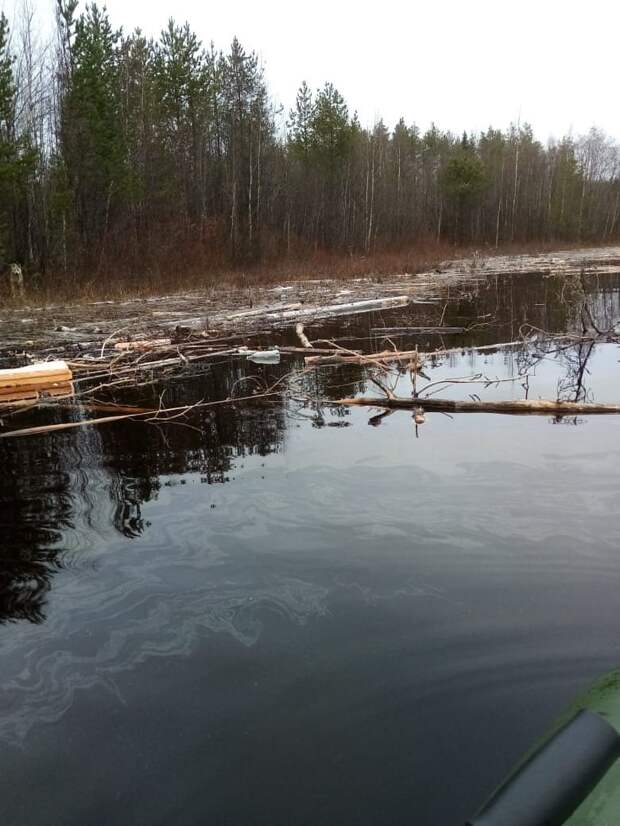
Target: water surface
column 282, row 615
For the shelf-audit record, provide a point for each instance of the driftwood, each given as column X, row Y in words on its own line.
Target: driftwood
column 46, row 373
column 34, row 387
column 21, row 397
column 517, row 406
column 305, row 341
column 315, row 351
column 29, row 385
column 127, row 351
column 142, row 345
column 563, row 262
column 384, row 357
column 347, row 308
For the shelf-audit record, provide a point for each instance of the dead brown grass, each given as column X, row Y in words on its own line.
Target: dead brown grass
column 322, row 264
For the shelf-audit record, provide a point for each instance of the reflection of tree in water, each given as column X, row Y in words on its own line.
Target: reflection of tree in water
column 591, row 305
column 572, row 385
column 35, row 507
column 492, row 310
column 141, row 454
column 552, row 303
column 311, row 387
column 55, row 486
column 573, row 358
column 128, row 506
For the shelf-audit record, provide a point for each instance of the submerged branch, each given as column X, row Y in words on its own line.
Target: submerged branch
column 154, row 414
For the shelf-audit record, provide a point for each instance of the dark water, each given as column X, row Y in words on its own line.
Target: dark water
column 283, row 616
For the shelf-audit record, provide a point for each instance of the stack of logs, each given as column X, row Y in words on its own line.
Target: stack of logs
column 25, row 385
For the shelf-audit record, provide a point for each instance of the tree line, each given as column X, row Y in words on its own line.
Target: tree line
column 122, row 155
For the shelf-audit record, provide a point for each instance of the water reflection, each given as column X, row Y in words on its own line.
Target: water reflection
column 35, row 507
column 57, row 487
column 47, row 482
column 367, row 584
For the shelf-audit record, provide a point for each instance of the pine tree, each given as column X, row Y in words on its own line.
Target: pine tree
column 330, row 143
column 329, row 127
column 248, row 132
column 17, row 158
column 91, row 128
column 181, row 85
column 300, row 123
column 463, row 182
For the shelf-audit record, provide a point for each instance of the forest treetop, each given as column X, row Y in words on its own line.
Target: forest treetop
column 122, row 155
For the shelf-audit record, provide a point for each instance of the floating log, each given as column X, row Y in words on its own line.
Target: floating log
column 348, row 308
column 517, row 406
column 384, row 357
column 142, row 346
column 34, row 387
column 315, row 351
column 18, row 398
column 35, row 376
column 264, row 356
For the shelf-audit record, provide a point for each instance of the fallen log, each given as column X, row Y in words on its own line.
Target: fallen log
column 34, row 387
column 384, row 357
column 316, row 351
column 516, row 406
column 35, row 376
column 142, row 345
column 21, row 397
column 18, row 398
column 348, row 308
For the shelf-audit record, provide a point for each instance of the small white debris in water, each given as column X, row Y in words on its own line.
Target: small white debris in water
column 265, row 357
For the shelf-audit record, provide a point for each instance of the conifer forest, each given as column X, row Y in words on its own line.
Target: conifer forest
column 123, row 157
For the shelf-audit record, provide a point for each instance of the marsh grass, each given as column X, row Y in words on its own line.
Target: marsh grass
column 180, row 278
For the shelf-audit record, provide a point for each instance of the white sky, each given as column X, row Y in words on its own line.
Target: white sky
column 464, row 64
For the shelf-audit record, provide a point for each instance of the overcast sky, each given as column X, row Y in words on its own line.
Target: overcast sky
column 464, row 64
